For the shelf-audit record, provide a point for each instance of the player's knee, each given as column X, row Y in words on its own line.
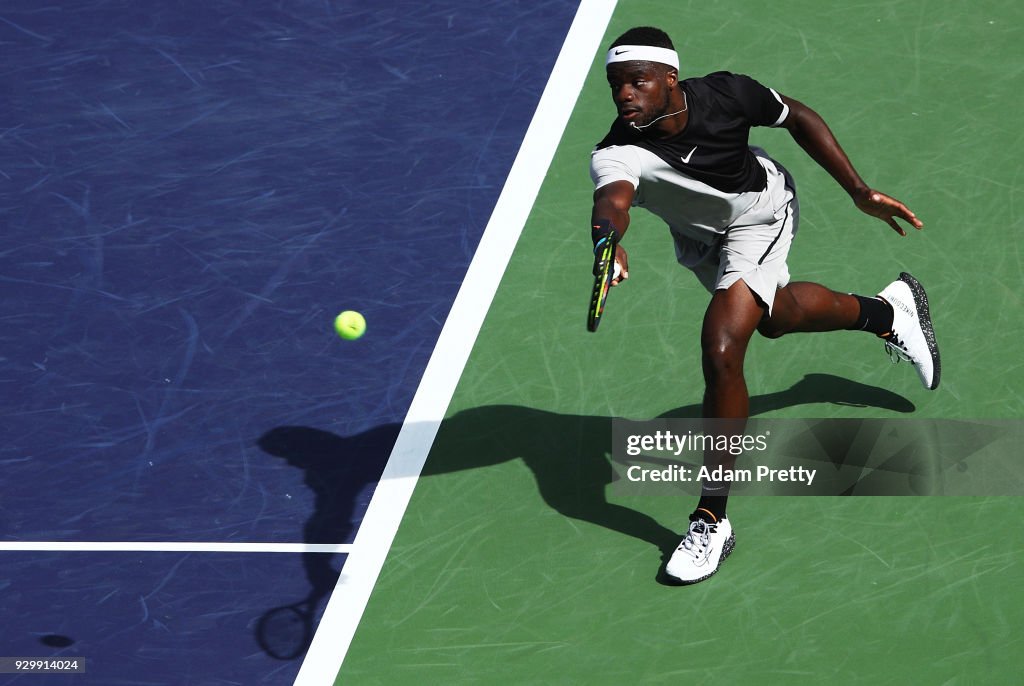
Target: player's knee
column 722, row 356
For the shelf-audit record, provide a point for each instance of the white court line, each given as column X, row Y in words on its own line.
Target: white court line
column 391, row 497
column 175, row 547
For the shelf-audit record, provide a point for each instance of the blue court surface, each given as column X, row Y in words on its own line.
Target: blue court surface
column 191, row 191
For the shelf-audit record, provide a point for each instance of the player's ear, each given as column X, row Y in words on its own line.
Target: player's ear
column 672, row 77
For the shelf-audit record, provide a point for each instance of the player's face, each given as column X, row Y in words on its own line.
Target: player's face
column 641, row 90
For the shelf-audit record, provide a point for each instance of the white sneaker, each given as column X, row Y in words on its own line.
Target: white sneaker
column 912, row 338
column 701, row 551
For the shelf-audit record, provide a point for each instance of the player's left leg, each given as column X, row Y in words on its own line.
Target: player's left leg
column 912, row 337
column 804, row 306
column 899, row 315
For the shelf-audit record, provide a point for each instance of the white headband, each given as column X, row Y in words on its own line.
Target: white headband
column 642, row 53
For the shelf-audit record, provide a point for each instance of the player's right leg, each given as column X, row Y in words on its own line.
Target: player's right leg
column 729, row 324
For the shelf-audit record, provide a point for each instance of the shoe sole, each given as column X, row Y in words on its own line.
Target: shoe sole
column 924, row 318
column 727, row 548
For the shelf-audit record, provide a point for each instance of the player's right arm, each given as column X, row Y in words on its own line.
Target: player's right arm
column 611, row 209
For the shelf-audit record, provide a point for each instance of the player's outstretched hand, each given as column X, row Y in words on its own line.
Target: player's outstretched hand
column 621, row 272
column 880, row 205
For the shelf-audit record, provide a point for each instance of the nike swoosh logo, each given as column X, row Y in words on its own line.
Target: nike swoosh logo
column 619, row 52
column 686, row 160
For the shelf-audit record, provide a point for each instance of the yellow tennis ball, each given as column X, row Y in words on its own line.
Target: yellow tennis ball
column 350, row 325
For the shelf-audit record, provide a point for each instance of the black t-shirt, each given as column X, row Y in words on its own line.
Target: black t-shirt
column 713, row 147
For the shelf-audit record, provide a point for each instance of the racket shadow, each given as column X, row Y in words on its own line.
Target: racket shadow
column 337, row 470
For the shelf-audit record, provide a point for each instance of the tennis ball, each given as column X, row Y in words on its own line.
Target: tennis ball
column 350, row 325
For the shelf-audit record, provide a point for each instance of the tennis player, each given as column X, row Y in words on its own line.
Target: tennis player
column 679, row 149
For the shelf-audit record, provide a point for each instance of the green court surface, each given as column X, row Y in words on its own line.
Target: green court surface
column 515, row 565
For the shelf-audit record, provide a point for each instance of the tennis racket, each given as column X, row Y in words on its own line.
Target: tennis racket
column 604, row 272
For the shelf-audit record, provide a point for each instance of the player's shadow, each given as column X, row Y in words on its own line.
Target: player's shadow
column 817, row 389
column 569, row 456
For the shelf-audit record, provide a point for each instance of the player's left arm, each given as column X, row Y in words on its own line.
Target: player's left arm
column 812, row 134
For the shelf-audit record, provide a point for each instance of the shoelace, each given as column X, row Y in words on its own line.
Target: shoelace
column 896, row 350
column 698, row 538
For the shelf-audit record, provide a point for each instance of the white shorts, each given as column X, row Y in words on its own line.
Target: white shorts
column 755, row 253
